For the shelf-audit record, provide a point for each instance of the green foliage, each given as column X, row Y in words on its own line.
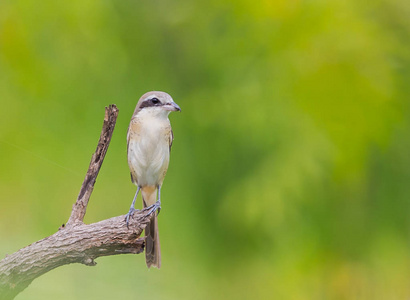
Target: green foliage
column 290, row 167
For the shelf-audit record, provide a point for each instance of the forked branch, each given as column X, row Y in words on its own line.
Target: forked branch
column 76, row 242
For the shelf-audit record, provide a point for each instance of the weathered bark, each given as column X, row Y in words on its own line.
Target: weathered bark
column 76, row 242
column 80, row 207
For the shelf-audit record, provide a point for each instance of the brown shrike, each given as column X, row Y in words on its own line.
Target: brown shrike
column 149, row 141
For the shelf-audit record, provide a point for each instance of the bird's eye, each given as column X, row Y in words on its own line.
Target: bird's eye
column 155, row 101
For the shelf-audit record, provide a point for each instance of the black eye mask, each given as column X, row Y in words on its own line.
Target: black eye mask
column 151, row 102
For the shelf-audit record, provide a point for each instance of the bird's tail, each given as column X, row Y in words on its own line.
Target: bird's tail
column 152, row 248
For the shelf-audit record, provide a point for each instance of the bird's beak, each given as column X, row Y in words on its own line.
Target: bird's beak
column 172, row 106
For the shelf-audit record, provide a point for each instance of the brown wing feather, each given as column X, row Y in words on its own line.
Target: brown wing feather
column 171, row 139
column 133, row 180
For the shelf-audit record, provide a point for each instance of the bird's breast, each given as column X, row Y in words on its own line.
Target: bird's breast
column 148, row 151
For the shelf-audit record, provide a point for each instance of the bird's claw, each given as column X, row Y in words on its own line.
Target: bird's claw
column 129, row 215
column 154, row 207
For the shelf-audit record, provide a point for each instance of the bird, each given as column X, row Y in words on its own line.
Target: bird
column 149, row 141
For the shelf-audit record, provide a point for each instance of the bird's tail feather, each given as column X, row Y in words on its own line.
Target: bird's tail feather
column 152, row 247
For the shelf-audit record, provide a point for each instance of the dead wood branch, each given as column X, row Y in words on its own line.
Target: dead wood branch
column 76, row 242
column 80, row 206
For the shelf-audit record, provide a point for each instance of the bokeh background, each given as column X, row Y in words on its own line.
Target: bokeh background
column 290, row 169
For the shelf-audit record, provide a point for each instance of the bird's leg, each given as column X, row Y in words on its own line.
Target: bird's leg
column 132, row 208
column 156, row 205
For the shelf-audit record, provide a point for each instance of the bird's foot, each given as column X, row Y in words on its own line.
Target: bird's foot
column 129, row 215
column 152, row 208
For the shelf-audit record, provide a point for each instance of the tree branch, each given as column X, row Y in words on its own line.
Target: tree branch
column 80, row 207
column 76, row 242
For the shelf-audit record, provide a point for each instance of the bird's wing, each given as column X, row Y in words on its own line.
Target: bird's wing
column 128, row 138
column 171, row 139
column 133, row 179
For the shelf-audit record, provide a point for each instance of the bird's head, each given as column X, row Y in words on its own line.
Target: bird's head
column 157, row 103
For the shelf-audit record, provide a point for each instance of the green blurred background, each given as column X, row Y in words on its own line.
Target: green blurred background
column 290, row 170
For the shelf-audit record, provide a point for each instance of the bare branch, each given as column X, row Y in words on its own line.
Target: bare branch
column 80, row 207
column 76, row 242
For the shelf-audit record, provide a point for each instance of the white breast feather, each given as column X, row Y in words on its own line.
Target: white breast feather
column 149, row 153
